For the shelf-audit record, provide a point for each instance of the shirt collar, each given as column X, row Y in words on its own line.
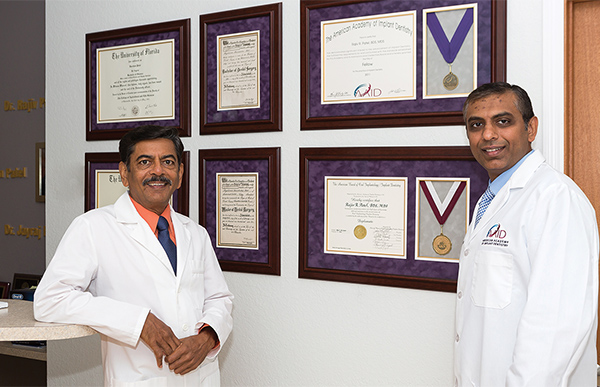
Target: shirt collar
column 501, row 180
column 151, row 217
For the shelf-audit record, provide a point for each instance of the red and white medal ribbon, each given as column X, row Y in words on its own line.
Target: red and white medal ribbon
column 442, row 210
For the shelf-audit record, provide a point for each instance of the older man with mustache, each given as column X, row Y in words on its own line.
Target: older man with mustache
column 143, row 276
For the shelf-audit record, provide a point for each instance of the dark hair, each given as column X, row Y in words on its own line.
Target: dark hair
column 523, row 102
column 148, row 132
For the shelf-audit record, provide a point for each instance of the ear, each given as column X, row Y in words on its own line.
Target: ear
column 180, row 175
column 123, row 173
column 532, row 128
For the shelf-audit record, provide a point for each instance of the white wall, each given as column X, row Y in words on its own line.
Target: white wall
column 288, row 331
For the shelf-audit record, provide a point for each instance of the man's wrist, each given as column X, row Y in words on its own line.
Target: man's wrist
column 211, row 332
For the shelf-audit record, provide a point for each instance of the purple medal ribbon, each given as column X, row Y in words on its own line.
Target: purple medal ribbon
column 450, row 49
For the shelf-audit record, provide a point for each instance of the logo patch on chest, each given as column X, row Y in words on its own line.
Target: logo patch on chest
column 496, row 236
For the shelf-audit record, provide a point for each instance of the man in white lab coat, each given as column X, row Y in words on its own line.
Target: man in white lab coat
column 527, row 297
column 143, row 276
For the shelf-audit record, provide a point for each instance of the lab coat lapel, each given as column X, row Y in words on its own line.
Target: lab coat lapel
column 495, row 205
column 517, row 181
column 139, row 230
column 183, row 237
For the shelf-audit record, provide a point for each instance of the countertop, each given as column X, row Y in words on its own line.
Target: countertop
column 17, row 324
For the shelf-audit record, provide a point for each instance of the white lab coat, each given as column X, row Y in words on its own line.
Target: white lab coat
column 527, row 297
column 110, row 271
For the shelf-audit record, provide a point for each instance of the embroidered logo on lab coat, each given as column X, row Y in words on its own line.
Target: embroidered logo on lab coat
column 496, row 236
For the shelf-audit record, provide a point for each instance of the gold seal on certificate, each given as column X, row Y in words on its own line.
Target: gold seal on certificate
column 360, row 231
column 442, row 244
column 450, row 81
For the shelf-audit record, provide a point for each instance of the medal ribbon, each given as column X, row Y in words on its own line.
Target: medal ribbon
column 450, row 49
column 442, row 210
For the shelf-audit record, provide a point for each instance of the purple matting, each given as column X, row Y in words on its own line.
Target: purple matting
column 213, row 30
column 316, row 16
column 94, row 75
column 231, row 166
column 318, row 169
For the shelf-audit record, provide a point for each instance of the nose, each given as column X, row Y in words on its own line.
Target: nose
column 157, row 168
column 489, row 133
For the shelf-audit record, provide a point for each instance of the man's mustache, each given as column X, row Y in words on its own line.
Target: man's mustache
column 160, row 179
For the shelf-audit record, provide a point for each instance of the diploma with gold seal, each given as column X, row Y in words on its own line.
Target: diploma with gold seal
column 365, row 216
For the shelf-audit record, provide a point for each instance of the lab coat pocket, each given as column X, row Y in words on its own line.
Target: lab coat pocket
column 492, row 279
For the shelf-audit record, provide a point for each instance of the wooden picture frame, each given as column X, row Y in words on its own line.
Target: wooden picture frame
column 357, row 106
column 138, row 76
column 265, row 164
column 261, row 109
column 317, row 165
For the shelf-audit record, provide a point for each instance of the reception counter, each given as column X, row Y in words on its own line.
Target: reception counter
column 17, row 324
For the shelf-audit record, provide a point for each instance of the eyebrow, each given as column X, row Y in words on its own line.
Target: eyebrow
column 496, row 116
column 503, row 114
column 169, row 156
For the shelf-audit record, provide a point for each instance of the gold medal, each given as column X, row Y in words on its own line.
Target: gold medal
column 442, row 244
column 450, row 46
column 450, row 81
column 360, row 232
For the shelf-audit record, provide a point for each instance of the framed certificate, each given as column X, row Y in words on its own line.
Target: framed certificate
column 237, row 210
column 138, row 76
column 360, row 220
column 389, row 63
column 240, row 70
column 103, row 185
column 365, row 215
column 356, row 50
column 240, row 207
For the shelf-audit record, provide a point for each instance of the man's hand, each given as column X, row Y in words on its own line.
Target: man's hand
column 192, row 352
column 159, row 337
